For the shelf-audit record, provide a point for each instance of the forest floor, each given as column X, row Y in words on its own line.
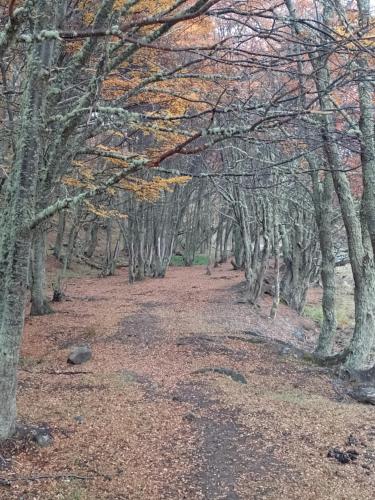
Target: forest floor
column 177, row 403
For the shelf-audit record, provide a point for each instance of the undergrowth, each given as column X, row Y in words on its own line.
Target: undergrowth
column 199, row 260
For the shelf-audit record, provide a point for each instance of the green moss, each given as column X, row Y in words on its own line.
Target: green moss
column 74, row 493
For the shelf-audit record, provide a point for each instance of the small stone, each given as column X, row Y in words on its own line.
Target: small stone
column 285, row 350
column 344, row 457
column 189, row 417
column 80, row 355
column 352, row 440
column 43, row 439
column 79, row 419
column 177, row 399
column 299, row 334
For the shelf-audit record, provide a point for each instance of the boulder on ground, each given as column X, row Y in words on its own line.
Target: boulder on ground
column 42, row 437
column 79, row 355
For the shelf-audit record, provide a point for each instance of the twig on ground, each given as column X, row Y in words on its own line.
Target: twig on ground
column 8, row 481
column 54, row 372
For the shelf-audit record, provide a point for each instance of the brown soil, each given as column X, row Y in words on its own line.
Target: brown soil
column 147, row 421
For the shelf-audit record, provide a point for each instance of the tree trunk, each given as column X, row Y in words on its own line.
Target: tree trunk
column 276, row 250
column 361, row 345
column 15, row 242
column 39, row 303
column 324, row 214
column 59, row 236
column 92, row 240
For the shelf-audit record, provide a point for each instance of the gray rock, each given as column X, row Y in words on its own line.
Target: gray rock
column 364, row 394
column 299, row 334
column 285, row 350
column 43, row 438
column 79, row 355
column 79, row 419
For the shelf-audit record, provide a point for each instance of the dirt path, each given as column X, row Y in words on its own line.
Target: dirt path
column 177, row 403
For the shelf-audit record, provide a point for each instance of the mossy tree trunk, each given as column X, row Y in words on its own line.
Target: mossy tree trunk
column 359, row 230
column 16, row 238
column 57, row 250
column 323, row 204
column 300, row 257
column 92, row 239
column 39, row 302
column 361, row 254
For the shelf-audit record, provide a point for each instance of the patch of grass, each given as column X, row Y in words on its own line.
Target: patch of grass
column 90, row 331
column 296, row 397
column 199, row 260
column 314, row 312
column 343, row 314
column 28, row 362
column 344, row 317
column 177, row 260
column 75, row 493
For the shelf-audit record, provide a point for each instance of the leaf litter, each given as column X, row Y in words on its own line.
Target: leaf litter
column 154, row 415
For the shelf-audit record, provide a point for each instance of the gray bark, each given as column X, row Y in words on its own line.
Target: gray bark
column 57, row 250
column 15, row 243
column 39, row 302
column 323, row 203
column 92, row 239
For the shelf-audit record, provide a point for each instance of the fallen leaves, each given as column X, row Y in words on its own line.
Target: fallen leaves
column 139, row 415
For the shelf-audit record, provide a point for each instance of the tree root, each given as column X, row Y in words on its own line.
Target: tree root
column 236, row 376
column 286, row 348
column 359, row 376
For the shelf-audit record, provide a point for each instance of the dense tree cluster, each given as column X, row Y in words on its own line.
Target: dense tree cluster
column 241, row 130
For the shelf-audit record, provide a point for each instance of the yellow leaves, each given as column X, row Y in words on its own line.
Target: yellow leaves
column 160, row 85
column 90, row 7
column 149, row 8
column 87, row 7
column 106, row 148
column 149, row 190
column 84, row 170
column 352, row 31
column 146, row 190
column 119, row 4
column 120, row 162
column 86, row 175
column 104, row 212
column 114, row 87
column 76, row 183
column 73, row 182
column 181, row 179
column 198, row 32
